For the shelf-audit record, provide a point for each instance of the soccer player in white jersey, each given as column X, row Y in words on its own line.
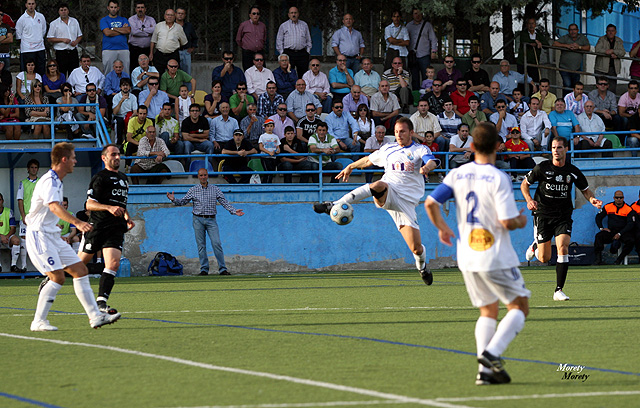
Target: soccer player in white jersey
column 49, row 253
column 486, row 212
column 399, row 190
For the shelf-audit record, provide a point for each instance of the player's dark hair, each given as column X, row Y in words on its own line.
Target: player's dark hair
column 61, row 150
column 564, row 140
column 485, row 138
column 104, row 149
column 33, row 161
column 406, row 121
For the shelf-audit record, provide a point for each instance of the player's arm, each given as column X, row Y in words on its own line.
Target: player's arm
column 61, row 213
column 435, row 215
column 362, row 163
column 431, row 162
column 590, row 197
column 526, row 193
column 514, row 223
column 130, row 223
column 93, row 205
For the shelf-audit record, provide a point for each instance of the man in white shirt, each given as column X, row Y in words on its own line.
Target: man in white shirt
column 590, row 122
column 85, row 74
column 424, row 121
column 65, row 35
column 31, row 28
column 460, row 143
column 318, row 84
column 258, row 76
column 167, row 38
column 535, row 126
column 294, row 39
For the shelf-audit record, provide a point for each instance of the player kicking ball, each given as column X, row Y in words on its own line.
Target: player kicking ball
column 399, row 190
column 49, row 253
column 486, row 212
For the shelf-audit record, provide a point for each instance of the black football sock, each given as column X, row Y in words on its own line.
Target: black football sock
column 561, row 275
column 106, row 285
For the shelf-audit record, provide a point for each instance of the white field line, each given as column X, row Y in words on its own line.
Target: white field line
column 295, row 380
column 305, row 404
column 541, row 396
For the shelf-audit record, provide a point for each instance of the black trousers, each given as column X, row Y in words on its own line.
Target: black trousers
column 67, row 61
column 160, row 60
column 299, row 60
column 606, row 237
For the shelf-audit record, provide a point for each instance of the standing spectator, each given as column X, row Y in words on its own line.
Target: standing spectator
column 348, row 42
column 298, row 101
column 168, row 129
column 38, row 114
column 519, row 159
column 150, row 145
column 449, row 123
column 268, row 102
column 570, row 59
column 424, row 121
column 353, row 100
column 489, row 99
column 115, row 30
column 85, row 74
column 173, row 78
column 166, row 41
column 563, row 122
column 222, row 127
column 367, row 79
column 634, row 70
column 112, row 83
column 258, row 76
column 476, row 77
column 592, row 123
column 436, row 97
column 423, row 43
column 142, row 27
column 307, row 125
column 153, row 98
column 613, row 47
column 251, row 37
column 535, row 126
column 195, row 132
column 89, row 113
column 294, row 39
column 53, row 80
column 318, row 84
column 531, row 40
column 503, row 120
column 240, row 100
column 547, row 98
column 270, row 145
column 460, row 98
column 340, row 79
column 213, row 100
column 30, row 30
column 7, row 28
column 399, row 83
column 285, row 76
column 183, row 102
column 228, row 74
column 251, row 125
column 192, row 41
column 397, row 38
column 449, row 75
column 122, row 103
column 5, row 75
column 240, row 147
column 461, row 143
column 474, row 116
column 24, row 196
column 65, row 35
column 25, row 79
column 509, row 80
column 291, row 144
column 606, row 104
column 204, row 197
column 385, row 107
column 344, row 128
column 142, row 73
column 281, row 120
column 575, row 100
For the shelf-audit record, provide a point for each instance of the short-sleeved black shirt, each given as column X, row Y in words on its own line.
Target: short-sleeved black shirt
column 554, row 187
column 109, row 188
column 237, row 161
column 308, row 127
column 201, row 126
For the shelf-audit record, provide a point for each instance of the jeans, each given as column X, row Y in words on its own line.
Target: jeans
column 185, row 63
column 418, row 72
column 201, row 227
column 443, row 143
column 175, row 148
column 326, row 104
column 568, row 81
column 353, row 64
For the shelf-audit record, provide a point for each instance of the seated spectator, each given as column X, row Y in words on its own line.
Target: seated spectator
column 67, row 113
column 153, row 98
column 124, row 104
column 517, row 107
column 606, row 104
column 427, row 84
column 435, row 98
column 24, row 81
column 590, row 122
column 258, row 76
column 251, row 125
column 112, row 84
column 68, row 231
column 509, row 80
column 213, row 100
column 620, row 226
column 535, row 126
column 489, row 99
column 460, row 98
column 307, row 125
column 285, row 76
column 84, row 75
column 39, row 114
column 173, row 78
column 322, row 142
column 563, row 122
column 184, row 101
column 449, row 123
column 228, row 74
column 354, row 99
column 269, row 144
column 239, row 101
column 168, row 129
column 195, row 132
column 89, row 112
column 298, row 100
column 150, row 145
column 449, row 75
column 518, row 160
column 476, row 77
column 367, row 78
column 430, row 142
column 53, row 80
column 399, row 83
column 474, row 116
column 365, row 122
column 268, row 102
column 221, row 128
column 461, row 143
column 503, row 120
column 136, row 130
column 281, row 120
column 340, row 79
column 8, row 237
column 424, row 121
column 8, row 115
column 547, row 98
column 240, row 147
column 142, row 73
column 574, row 101
column 628, row 107
column 375, row 143
column 344, row 128
column 318, row 84
column 385, row 107
column 291, row 144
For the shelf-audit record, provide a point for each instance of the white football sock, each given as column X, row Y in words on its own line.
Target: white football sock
column 75, row 246
column 485, row 330
column 23, row 254
column 45, row 300
column 358, row 194
column 420, row 259
column 85, row 296
column 509, row 326
column 15, row 252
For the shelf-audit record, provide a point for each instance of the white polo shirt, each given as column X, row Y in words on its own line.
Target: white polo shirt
column 31, row 31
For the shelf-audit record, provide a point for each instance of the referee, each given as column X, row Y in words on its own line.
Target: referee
column 204, row 197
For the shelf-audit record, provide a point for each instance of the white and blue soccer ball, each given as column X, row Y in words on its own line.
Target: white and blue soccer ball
column 342, row 213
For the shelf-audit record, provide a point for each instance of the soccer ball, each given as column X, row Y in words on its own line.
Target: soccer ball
column 342, row 213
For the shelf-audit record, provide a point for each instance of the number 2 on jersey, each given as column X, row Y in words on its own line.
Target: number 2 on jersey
column 472, row 201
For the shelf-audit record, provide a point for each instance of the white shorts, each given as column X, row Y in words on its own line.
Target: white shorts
column 485, row 288
column 48, row 252
column 23, row 229
column 402, row 211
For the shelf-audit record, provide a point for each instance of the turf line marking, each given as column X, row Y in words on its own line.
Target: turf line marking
column 305, row 404
column 540, row 396
column 303, row 381
column 28, row 400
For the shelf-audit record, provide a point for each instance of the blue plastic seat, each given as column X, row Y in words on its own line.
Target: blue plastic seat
column 200, row 164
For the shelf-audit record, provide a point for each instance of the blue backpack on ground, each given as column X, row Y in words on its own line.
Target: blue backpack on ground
column 164, row 264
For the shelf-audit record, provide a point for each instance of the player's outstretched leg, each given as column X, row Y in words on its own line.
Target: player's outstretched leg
column 351, row 197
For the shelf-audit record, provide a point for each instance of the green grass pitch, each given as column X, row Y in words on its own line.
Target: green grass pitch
column 349, row 339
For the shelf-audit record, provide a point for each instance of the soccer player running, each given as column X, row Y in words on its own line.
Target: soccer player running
column 486, row 212
column 552, row 208
column 51, row 255
column 107, row 201
column 399, row 190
